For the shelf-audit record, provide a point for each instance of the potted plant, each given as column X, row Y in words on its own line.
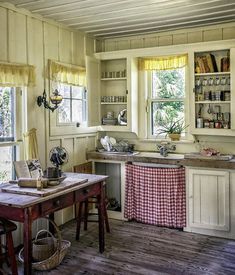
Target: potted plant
column 173, row 129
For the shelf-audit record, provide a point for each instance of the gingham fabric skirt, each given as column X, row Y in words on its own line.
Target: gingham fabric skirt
column 155, row 195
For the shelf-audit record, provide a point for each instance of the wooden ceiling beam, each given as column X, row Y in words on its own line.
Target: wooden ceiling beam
column 173, row 27
column 155, row 22
column 115, row 7
column 120, row 18
column 144, row 13
column 151, row 16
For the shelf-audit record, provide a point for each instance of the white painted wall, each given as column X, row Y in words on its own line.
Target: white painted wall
column 29, row 39
column 184, row 36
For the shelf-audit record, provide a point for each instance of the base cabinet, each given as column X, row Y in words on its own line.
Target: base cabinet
column 210, row 202
column 114, row 186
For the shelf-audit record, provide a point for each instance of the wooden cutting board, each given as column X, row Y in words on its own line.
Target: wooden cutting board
column 66, row 184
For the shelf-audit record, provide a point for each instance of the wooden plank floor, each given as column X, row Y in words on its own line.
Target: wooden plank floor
column 134, row 248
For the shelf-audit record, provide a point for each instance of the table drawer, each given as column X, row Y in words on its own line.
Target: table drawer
column 58, row 203
column 89, row 191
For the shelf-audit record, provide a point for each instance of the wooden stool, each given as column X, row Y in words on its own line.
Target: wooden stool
column 82, row 214
column 6, row 228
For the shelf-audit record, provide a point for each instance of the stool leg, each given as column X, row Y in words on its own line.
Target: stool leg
column 85, row 214
column 11, row 253
column 79, row 220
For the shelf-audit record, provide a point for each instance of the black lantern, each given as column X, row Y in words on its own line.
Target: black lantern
column 55, row 99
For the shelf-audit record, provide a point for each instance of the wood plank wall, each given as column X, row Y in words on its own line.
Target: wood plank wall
column 27, row 39
column 30, row 39
column 184, row 36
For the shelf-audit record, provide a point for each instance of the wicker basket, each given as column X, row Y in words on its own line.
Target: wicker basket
column 55, row 259
column 43, row 248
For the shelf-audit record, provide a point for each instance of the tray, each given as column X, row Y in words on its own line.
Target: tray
column 68, row 183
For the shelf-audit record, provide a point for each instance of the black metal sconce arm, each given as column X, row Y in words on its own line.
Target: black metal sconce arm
column 42, row 100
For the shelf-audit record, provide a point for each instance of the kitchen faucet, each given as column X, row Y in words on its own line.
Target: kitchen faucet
column 165, row 147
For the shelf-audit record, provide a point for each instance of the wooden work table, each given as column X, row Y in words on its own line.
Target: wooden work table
column 26, row 208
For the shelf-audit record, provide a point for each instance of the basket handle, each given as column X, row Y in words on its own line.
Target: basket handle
column 57, row 231
column 43, row 230
column 59, row 238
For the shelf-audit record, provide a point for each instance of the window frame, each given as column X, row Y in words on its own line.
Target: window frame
column 69, row 129
column 20, row 124
column 150, row 100
column 84, row 100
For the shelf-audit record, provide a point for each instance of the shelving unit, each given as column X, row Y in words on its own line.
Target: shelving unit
column 114, row 93
column 117, row 88
column 212, row 92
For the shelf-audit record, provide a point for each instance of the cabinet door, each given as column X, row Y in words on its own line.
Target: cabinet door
column 93, row 91
column 208, row 199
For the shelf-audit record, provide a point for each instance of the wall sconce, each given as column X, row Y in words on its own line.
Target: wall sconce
column 55, row 99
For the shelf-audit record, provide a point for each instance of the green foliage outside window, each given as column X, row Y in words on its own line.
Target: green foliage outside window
column 6, row 113
column 168, row 92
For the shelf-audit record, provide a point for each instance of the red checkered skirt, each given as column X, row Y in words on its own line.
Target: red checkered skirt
column 155, row 195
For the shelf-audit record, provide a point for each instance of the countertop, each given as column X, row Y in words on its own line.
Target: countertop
column 147, row 158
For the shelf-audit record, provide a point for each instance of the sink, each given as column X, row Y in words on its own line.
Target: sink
column 157, row 155
column 119, row 153
column 156, row 165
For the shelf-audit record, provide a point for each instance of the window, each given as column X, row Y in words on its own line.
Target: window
column 7, row 156
column 7, row 112
column 166, row 98
column 73, row 108
column 7, row 132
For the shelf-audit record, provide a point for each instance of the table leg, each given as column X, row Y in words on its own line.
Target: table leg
column 51, row 226
column 101, row 217
column 27, row 241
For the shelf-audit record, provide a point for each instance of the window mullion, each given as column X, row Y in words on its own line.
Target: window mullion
column 71, row 105
column 167, row 99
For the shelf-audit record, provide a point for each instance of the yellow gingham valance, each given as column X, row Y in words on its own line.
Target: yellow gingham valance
column 163, row 63
column 17, row 75
column 68, row 74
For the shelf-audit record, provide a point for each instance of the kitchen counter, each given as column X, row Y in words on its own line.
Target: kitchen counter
column 154, row 157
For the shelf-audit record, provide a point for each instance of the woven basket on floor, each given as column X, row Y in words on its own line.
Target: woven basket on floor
column 55, row 259
column 43, row 248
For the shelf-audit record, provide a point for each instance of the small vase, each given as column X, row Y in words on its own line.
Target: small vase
column 174, row 137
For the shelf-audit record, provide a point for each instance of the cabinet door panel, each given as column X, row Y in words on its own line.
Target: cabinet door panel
column 209, row 199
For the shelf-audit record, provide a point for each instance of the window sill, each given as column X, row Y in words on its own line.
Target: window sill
column 10, row 143
column 159, row 140
column 72, row 131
